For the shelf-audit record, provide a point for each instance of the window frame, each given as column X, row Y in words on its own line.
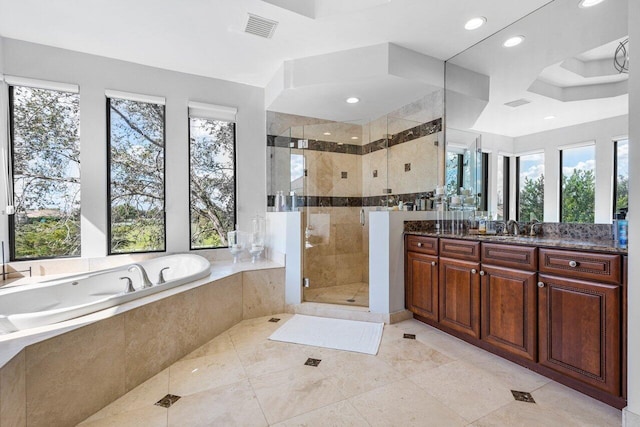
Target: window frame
column 518, row 157
column 235, row 178
column 615, row 174
column 561, row 151
column 11, row 155
column 506, row 180
column 164, row 181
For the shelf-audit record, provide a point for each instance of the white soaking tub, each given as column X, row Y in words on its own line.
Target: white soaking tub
column 53, row 301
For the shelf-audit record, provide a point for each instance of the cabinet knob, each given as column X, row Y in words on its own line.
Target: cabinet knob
column 481, row 273
column 474, row 271
column 541, row 284
column 419, row 244
column 573, row 264
column 433, row 263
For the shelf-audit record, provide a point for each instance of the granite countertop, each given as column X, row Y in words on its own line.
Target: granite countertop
column 596, row 245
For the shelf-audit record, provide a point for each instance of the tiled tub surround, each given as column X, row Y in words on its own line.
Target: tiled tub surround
column 61, row 374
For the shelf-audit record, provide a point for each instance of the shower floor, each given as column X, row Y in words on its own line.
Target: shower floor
column 352, row 294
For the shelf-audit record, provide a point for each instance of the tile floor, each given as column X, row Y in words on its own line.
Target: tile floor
column 242, row 379
column 352, row 294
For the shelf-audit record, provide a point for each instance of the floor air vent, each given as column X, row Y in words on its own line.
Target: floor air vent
column 259, row 26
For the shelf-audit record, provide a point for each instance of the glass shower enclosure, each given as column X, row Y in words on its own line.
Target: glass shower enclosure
column 336, row 173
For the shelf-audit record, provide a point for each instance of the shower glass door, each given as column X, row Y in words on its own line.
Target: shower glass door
column 335, row 253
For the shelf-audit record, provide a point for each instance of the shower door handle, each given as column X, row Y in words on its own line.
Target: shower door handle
column 362, row 217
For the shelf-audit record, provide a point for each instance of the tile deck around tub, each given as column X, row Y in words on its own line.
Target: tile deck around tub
column 242, row 378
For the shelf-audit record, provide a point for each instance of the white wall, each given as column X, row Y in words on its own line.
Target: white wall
column 632, row 413
column 603, row 132
column 95, row 74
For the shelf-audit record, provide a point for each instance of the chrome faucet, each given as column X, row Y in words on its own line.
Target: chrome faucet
column 513, row 225
column 161, row 276
column 535, row 223
column 129, row 287
column 146, row 283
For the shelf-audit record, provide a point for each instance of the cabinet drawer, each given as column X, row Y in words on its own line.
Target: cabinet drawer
column 422, row 244
column 460, row 249
column 583, row 265
column 520, row 257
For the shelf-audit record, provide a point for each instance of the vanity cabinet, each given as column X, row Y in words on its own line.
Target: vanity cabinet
column 580, row 321
column 460, row 286
column 509, row 302
column 422, row 281
column 559, row 312
column 509, row 310
column 460, row 296
column 421, row 276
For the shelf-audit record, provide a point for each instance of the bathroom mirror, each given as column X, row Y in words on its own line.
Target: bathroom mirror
column 549, row 115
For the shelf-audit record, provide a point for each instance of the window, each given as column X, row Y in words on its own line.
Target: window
column 136, row 175
column 621, row 175
column 45, row 144
column 503, row 187
column 483, row 181
column 530, row 184
column 212, row 178
column 578, row 185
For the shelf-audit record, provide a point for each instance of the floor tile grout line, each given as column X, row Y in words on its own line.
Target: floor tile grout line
column 442, row 403
column 453, row 409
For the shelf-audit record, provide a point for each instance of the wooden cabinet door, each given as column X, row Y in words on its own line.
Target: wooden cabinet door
column 422, row 285
column 509, row 310
column 460, row 296
column 579, row 330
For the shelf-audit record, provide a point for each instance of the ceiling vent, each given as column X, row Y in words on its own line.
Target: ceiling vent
column 259, row 26
column 517, row 103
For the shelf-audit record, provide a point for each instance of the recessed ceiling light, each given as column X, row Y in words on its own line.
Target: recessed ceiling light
column 589, row 3
column 475, row 23
column 513, row 41
column 354, row 137
column 327, row 133
column 550, row 117
column 353, row 100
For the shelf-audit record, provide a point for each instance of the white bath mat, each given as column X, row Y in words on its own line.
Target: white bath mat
column 350, row 335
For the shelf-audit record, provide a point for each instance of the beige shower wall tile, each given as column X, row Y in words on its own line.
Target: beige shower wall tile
column 345, row 276
column 319, row 180
column 345, row 215
column 422, row 155
column 378, row 128
column 13, row 395
column 60, row 370
column 376, row 161
column 351, row 186
column 321, row 270
column 348, row 239
column 262, row 293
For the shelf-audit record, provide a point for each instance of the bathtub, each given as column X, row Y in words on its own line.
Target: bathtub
column 69, row 297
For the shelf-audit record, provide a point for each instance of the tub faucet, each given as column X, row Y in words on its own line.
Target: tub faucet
column 129, row 287
column 146, row 283
column 161, row 276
